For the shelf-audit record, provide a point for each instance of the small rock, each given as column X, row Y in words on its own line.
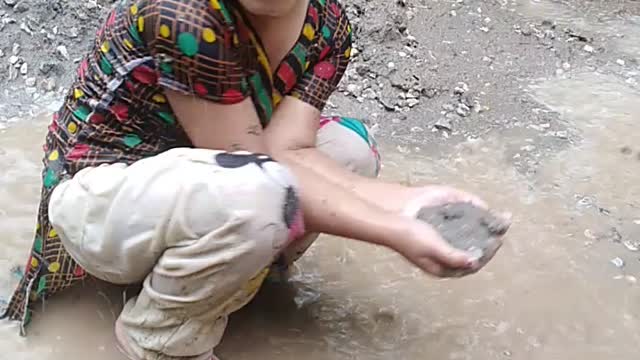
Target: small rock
column 21, row 7
column 24, row 68
column 391, row 65
column 566, row 66
column 15, row 49
column 402, row 54
column 46, row 67
column 91, row 4
column 588, row 48
column 62, row 51
column 412, row 102
column 528, row 148
column 620, row 62
column 49, row 84
column 448, row 107
column 443, row 124
column 463, row 110
column 632, row 245
column 30, row 82
column 417, row 129
column 429, row 93
column 369, row 93
column 24, row 27
column 618, row 262
column 13, row 60
column 353, row 89
column 562, row 134
column 461, row 89
column 73, row 33
column 11, row 2
column 1, row 53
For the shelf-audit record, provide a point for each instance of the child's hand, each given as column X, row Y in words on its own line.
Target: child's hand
column 423, row 245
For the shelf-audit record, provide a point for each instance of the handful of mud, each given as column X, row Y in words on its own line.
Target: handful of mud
column 468, row 228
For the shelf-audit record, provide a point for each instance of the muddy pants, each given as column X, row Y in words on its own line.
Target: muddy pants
column 199, row 228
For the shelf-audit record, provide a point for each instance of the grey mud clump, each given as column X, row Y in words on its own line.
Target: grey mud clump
column 469, row 228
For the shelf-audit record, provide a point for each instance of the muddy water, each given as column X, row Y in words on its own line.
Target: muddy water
column 623, row 31
column 551, row 293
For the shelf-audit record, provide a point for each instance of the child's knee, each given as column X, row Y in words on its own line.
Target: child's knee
column 350, row 143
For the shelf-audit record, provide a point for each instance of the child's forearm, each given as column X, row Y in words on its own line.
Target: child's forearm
column 335, row 208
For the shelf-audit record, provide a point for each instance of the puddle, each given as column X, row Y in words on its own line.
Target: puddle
column 624, row 31
column 546, row 296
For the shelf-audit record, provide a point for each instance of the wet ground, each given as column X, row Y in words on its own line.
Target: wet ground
column 564, row 286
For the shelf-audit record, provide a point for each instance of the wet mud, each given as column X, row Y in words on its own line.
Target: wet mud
column 468, row 228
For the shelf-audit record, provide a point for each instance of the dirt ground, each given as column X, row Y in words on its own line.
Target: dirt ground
column 533, row 104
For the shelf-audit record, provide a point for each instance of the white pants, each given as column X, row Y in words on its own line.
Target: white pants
column 199, row 228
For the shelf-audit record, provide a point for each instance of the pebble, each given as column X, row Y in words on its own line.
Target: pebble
column 10, row 2
column 632, row 245
column 21, row 7
column 412, row 102
column 46, row 67
column 618, row 262
column 443, row 124
column 73, row 33
column 30, row 81
column 13, row 60
column 49, row 84
column 24, row 68
column 620, row 62
column 1, row 53
column 15, row 49
column 448, row 107
column 62, row 50
column 463, row 110
column 24, row 27
column 353, row 89
column 391, row 65
column 588, row 48
column 461, row 89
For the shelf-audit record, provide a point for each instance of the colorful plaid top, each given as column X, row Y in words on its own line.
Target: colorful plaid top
column 116, row 110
